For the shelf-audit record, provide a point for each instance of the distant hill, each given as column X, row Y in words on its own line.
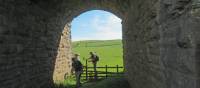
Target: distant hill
column 96, row 43
column 109, row 51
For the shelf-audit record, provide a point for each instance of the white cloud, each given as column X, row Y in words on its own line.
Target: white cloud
column 105, row 28
column 108, row 28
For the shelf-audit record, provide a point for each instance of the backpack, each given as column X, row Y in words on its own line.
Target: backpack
column 96, row 58
column 78, row 66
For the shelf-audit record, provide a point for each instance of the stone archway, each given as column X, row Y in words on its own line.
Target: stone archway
column 159, row 49
column 66, row 16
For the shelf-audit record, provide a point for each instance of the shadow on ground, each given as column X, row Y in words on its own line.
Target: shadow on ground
column 106, row 83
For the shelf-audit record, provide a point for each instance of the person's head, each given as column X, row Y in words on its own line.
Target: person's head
column 91, row 53
column 73, row 59
column 76, row 55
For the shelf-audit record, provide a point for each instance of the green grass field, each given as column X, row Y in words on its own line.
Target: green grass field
column 109, row 51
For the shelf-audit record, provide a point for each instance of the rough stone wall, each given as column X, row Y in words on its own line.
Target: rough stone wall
column 179, row 43
column 63, row 62
column 164, row 48
column 160, row 38
column 30, row 42
column 23, row 57
column 141, row 45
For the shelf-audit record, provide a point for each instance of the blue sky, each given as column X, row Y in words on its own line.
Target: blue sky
column 96, row 25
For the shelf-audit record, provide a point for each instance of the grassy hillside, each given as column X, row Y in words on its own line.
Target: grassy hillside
column 109, row 51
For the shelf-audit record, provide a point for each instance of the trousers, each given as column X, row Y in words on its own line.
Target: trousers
column 78, row 77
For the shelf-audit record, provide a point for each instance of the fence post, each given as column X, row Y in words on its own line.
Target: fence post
column 117, row 69
column 86, row 69
column 106, row 71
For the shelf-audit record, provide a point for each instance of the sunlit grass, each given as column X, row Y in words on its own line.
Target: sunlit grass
column 109, row 51
column 68, row 83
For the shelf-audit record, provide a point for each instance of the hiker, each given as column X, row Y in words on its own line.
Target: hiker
column 94, row 58
column 78, row 68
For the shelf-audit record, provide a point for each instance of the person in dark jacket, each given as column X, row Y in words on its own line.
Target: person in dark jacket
column 78, row 68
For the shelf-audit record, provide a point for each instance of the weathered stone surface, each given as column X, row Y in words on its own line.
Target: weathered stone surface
column 160, row 37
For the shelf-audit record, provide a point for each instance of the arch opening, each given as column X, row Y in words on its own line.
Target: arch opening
column 101, row 32
column 110, row 28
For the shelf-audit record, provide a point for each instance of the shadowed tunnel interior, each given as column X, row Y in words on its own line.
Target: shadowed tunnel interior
column 160, row 39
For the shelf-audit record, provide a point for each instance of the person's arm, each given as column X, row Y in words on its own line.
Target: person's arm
column 81, row 65
column 73, row 70
column 89, row 59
